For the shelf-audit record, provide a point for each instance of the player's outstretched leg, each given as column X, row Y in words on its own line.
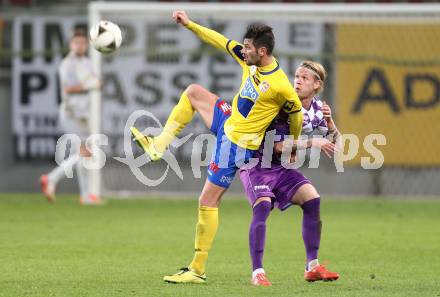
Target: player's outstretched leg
column 194, row 98
column 257, row 237
column 180, row 116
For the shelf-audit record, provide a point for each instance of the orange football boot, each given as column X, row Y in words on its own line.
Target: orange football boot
column 261, row 280
column 320, row 272
column 47, row 188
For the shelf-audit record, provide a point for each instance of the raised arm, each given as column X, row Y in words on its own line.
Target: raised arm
column 211, row 37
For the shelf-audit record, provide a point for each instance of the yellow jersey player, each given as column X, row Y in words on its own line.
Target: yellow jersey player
column 240, row 129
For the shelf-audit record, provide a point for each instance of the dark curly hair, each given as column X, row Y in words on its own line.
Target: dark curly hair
column 262, row 36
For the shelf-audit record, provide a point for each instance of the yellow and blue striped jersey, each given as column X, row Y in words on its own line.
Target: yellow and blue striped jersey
column 263, row 92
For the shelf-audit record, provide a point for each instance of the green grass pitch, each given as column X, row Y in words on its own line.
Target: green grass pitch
column 380, row 248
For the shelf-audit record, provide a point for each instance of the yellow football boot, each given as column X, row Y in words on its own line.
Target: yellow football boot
column 185, row 276
column 146, row 143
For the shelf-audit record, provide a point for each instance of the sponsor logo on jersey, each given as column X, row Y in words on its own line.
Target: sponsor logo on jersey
column 225, row 107
column 290, row 107
column 264, row 86
column 253, row 70
column 213, row 167
column 249, row 91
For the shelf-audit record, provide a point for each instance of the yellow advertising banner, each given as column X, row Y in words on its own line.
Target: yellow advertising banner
column 388, row 82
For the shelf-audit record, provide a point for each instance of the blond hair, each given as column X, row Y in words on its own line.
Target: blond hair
column 318, row 71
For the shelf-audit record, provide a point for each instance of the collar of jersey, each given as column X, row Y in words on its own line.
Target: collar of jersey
column 269, row 69
column 311, row 104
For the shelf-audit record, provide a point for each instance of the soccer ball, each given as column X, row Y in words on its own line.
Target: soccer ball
column 105, row 37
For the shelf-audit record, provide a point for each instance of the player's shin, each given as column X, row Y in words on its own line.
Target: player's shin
column 81, row 172
column 311, row 230
column 206, row 230
column 180, row 116
column 257, row 234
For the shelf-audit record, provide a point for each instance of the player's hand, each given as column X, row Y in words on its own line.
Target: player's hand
column 325, row 145
column 180, row 17
column 278, row 148
column 326, row 111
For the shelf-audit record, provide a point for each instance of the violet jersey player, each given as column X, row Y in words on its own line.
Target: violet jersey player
column 282, row 187
column 313, row 120
column 314, row 124
column 274, row 182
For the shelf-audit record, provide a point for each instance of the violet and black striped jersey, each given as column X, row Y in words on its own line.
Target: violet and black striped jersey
column 314, row 123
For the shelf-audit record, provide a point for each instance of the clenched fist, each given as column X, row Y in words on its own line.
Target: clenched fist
column 180, row 17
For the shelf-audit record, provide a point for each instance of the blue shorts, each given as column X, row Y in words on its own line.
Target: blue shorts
column 227, row 157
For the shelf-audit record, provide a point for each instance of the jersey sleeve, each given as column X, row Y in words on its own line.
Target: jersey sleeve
column 292, row 106
column 218, row 41
column 234, row 49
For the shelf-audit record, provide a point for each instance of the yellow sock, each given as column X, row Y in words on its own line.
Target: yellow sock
column 205, row 234
column 180, row 116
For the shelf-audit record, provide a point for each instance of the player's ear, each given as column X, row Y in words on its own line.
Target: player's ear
column 317, row 84
column 262, row 51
